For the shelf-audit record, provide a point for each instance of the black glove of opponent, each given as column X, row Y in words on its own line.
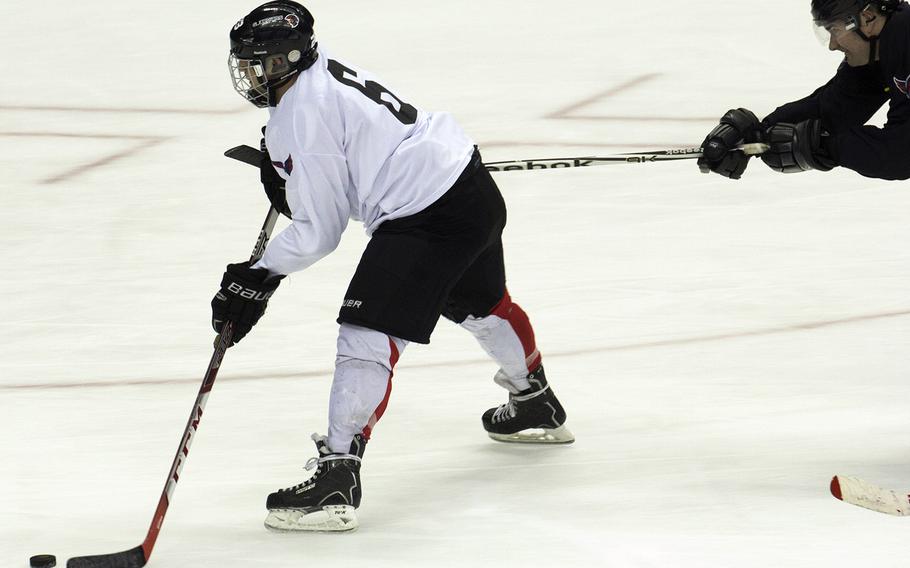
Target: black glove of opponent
column 719, row 154
column 272, row 182
column 798, row 147
column 243, row 297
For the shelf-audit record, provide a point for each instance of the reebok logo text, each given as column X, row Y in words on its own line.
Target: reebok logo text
column 548, row 165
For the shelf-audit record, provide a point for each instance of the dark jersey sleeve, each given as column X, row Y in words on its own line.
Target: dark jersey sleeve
column 882, row 153
column 850, row 98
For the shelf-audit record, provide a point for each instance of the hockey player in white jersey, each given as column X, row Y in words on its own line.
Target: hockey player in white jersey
column 342, row 146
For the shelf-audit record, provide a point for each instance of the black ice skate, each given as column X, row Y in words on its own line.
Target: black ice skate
column 327, row 500
column 531, row 416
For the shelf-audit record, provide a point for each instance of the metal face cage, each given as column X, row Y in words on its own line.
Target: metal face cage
column 252, row 78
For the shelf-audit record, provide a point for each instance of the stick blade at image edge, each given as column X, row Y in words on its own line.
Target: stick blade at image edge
column 863, row 494
column 132, row 558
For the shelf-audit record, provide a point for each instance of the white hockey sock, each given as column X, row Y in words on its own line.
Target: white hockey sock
column 508, row 338
column 362, row 383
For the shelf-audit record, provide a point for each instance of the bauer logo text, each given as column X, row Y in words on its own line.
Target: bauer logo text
column 249, row 293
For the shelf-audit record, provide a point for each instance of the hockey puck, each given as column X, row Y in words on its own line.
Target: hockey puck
column 43, row 561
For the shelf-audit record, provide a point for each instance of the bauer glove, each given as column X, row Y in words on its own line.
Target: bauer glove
column 719, row 154
column 243, row 297
column 799, row 147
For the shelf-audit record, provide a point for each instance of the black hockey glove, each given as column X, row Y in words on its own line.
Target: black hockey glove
column 798, row 147
column 243, row 297
column 272, row 182
column 718, row 150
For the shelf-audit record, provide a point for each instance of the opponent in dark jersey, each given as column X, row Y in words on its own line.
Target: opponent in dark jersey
column 828, row 128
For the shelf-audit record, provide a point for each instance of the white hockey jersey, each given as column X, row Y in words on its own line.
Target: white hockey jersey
column 350, row 149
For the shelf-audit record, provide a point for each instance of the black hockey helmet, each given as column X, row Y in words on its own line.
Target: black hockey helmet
column 838, row 17
column 270, row 46
column 828, row 12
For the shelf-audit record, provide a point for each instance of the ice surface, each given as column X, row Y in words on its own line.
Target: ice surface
column 722, row 348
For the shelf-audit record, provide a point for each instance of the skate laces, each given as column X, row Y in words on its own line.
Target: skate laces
column 316, row 463
column 310, row 464
column 313, row 462
column 505, row 411
column 325, row 454
column 509, row 410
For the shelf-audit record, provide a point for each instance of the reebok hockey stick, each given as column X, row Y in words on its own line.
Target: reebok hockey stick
column 862, row 494
column 670, row 155
column 252, row 156
column 139, row 556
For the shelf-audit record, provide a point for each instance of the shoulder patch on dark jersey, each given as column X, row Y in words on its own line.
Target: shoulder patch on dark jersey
column 901, row 85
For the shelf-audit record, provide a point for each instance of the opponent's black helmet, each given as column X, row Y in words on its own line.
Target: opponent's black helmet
column 826, row 12
column 269, row 46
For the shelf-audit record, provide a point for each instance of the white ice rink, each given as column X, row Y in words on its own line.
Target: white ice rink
column 722, row 348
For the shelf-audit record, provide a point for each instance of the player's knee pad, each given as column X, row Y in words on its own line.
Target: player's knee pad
column 481, row 325
column 460, row 309
column 356, row 343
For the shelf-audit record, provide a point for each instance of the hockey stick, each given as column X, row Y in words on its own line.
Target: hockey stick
column 863, row 494
column 139, row 556
column 252, row 156
column 670, row 155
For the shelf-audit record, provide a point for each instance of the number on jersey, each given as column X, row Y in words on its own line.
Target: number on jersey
column 405, row 113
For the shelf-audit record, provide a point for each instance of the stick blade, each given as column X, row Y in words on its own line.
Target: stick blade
column 245, row 154
column 863, row 494
column 132, row 558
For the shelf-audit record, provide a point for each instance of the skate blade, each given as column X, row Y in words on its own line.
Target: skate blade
column 560, row 435
column 332, row 518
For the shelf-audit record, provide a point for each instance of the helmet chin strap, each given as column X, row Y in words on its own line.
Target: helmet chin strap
column 873, row 49
column 273, row 88
column 872, row 40
column 294, row 56
column 873, row 44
